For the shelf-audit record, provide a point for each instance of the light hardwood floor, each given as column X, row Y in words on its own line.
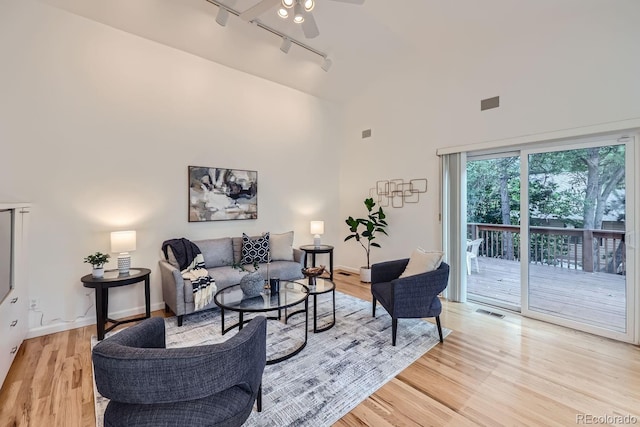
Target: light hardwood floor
column 489, row 371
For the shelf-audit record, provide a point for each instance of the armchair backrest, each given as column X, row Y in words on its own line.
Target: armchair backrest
column 430, row 283
column 133, row 366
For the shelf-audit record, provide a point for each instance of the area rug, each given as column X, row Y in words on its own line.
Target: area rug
column 337, row 369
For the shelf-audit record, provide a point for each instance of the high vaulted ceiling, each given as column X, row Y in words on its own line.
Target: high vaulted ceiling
column 365, row 42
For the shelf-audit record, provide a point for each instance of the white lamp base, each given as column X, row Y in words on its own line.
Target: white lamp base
column 124, row 263
column 316, row 240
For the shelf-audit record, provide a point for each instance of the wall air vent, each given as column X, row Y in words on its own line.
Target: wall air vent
column 487, row 104
column 366, row 133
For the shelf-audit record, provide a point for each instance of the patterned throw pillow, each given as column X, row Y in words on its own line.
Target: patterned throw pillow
column 255, row 249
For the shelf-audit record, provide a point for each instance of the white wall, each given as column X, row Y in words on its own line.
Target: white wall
column 97, row 128
column 567, row 72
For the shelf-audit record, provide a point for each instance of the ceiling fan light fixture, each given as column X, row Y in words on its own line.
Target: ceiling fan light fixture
column 309, row 5
column 283, row 13
column 298, row 17
column 288, row 3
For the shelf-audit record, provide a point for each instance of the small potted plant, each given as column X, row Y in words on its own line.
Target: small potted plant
column 372, row 224
column 97, row 260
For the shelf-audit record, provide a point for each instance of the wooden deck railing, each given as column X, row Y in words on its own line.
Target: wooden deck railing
column 561, row 247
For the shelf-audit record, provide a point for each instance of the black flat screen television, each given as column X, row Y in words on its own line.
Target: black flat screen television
column 6, row 252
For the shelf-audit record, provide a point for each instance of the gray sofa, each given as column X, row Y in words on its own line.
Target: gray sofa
column 219, row 254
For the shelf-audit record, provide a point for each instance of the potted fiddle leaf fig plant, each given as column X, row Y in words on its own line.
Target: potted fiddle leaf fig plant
column 98, row 261
column 364, row 231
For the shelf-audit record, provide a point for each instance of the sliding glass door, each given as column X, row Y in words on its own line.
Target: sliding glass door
column 547, row 234
column 575, row 267
column 493, row 230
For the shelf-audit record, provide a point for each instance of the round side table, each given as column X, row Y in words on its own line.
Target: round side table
column 320, row 249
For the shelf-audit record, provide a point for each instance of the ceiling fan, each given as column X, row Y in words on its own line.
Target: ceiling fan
column 299, row 9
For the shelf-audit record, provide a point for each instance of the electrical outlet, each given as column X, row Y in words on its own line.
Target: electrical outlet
column 34, row 304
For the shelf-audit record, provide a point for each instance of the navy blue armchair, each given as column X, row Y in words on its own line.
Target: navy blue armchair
column 209, row 385
column 410, row 297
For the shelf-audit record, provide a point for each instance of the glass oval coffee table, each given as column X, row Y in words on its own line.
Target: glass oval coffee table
column 290, row 294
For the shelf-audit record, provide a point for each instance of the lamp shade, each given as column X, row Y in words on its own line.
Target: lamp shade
column 317, row 227
column 123, row 241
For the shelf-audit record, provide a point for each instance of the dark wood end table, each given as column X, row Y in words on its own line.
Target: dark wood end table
column 320, row 249
column 113, row 279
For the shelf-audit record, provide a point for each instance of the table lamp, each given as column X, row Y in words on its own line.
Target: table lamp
column 122, row 242
column 316, row 228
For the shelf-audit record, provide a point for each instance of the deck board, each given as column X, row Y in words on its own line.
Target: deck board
column 597, row 299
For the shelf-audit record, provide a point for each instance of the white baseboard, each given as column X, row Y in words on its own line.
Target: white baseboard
column 79, row 323
column 349, row 269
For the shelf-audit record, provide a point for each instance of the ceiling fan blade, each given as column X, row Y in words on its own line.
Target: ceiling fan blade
column 309, row 27
column 350, row 1
column 257, row 10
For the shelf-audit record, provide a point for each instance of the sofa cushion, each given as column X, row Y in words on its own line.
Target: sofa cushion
column 281, row 246
column 237, row 249
column 285, row 270
column 255, row 249
column 226, row 276
column 216, row 252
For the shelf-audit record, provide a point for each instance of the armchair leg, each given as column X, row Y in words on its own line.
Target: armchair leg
column 166, row 308
column 259, row 399
column 373, row 313
column 394, row 329
column 439, row 327
column 180, row 320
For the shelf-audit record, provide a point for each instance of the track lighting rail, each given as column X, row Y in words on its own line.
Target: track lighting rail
column 326, row 63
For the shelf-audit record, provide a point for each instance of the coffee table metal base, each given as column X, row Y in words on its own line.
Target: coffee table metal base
column 315, row 316
column 325, row 327
column 322, row 286
column 279, row 317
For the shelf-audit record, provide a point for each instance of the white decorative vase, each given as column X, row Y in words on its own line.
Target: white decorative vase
column 98, row 273
column 252, row 284
column 365, row 274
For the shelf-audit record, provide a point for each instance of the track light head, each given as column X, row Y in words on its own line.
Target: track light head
column 286, row 45
column 326, row 64
column 222, row 17
column 298, row 17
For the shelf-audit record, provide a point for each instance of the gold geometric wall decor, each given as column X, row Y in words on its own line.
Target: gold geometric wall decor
column 397, row 192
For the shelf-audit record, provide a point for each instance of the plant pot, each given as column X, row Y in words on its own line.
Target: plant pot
column 252, row 284
column 365, row 274
column 98, row 273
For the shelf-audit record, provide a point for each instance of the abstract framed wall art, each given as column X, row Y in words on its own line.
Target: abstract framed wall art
column 219, row 194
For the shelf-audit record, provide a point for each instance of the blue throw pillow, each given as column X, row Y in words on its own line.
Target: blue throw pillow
column 255, row 249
